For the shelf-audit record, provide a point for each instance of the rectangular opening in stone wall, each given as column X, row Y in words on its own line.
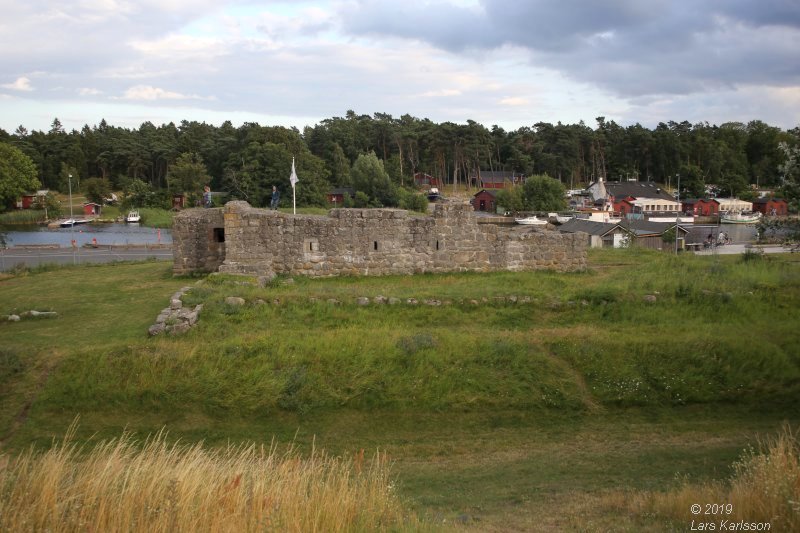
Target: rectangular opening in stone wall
column 310, row 245
column 375, row 245
column 437, row 245
column 219, row 234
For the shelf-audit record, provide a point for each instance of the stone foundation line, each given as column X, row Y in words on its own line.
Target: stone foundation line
column 175, row 319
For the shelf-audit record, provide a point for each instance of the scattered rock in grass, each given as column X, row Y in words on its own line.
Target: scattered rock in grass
column 433, row 302
column 379, row 299
column 13, row 318
column 259, row 301
column 156, row 329
column 176, row 319
column 177, row 329
column 334, row 301
column 288, row 281
column 650, row 298
column 363, row 300
column 234, row 300
column 412, row 301
column 394, row 301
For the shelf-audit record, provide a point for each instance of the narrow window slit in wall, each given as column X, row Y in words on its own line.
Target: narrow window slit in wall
column 219, row 234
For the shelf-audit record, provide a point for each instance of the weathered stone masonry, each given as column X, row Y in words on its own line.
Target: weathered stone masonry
column 241, row 239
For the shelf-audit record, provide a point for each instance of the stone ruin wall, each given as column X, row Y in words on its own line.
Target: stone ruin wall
column 363, row 242
column 197, row 241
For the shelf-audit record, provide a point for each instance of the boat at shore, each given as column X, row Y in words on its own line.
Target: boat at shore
column 530, row 221
column 133, row 216
column 72, row 222
column 739, row 218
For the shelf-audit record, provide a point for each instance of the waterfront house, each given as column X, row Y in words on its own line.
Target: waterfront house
column 495, row 179
column 91, row 209
column 337, row 196
column 702, row 207
column 771, row 206
column 421, row 179
column 651, row 234
column 600, row 234
column 734, row 205
column 485, row 200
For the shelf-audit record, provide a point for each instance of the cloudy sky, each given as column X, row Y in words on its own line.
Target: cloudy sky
column 506, row 62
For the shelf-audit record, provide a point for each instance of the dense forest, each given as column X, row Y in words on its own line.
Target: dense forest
column 246, row 161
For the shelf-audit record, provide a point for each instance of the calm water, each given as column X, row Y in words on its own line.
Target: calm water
column 84, row 233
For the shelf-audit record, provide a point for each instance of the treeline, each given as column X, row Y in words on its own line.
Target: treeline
column 246, row 161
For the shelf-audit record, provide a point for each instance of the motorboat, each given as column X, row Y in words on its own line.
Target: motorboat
column 68, row 223
column 133, row 216
column 530, row 221
column 740, row 218
column 433, row 194
column 561, row 219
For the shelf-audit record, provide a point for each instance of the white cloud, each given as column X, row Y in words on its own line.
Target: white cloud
column 147, row 92
column 21, row 84
column 514, row 101
column 441, row 93
column 87, row 91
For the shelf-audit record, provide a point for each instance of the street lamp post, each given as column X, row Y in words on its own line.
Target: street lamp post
column 678, row 214
column 71, row 219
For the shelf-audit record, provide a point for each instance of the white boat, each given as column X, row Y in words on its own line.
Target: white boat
column 739, row 218
column 133, row 216
column 561, row 219
column 530, row 221
column 72, row 222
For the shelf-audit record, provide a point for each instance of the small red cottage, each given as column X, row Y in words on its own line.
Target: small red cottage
column 485, row 200
column 421, row 180
column 337, row 196
column 178, row 201
column 92, row 209
column 772, row 207
column 702, row 207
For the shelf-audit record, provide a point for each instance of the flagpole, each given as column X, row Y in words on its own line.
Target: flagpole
column 293, row 180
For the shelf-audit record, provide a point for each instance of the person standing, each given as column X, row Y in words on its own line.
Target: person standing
column 276, row 197
column 206, row 196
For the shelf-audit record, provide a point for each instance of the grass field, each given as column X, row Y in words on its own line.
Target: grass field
column 524, row 401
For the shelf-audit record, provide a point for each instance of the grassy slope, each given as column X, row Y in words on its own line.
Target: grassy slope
column 501, row 411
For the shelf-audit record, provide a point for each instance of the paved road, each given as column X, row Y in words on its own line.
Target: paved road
column 11, row 257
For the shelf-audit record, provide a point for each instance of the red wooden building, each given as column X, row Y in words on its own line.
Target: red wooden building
column 426, row 180
column 337, row 196
column 703, row 207
column 178, row 201
column 92, row 209
column 485, row 200
column 771, row 206
column 497, row 179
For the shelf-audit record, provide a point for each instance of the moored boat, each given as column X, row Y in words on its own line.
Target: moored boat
column 133, row 216
column 530, row 221
column 72, row 222
column 740, row 218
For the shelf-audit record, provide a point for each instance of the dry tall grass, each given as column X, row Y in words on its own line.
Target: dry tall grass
column 765, row 487
column 154, row 486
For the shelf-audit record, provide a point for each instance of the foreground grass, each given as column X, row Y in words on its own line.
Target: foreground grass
column 158, row 486
column 499, row 412
column 764, row 489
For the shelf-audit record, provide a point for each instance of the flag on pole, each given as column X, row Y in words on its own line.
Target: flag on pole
column 293, row 178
